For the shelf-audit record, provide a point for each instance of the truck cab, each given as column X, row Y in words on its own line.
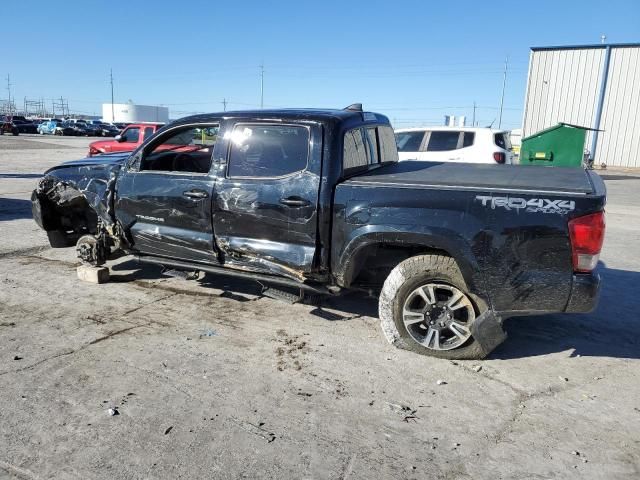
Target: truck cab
column 130, row 138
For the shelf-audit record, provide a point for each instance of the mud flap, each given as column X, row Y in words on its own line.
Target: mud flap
column 487, row 331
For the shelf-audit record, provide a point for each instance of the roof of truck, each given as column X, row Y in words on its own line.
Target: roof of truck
column 289, row 114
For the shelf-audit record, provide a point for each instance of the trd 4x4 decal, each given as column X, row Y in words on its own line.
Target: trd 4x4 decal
column 543, row 205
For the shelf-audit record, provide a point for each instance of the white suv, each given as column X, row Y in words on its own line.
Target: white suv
column 454, row 144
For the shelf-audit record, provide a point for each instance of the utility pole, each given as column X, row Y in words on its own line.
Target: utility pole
column 9, row 90
column 113, row 115
column 473, row 122
column 504, row 83
column 262, row 85
column 224, row 104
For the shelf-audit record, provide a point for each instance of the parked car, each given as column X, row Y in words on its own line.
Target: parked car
column 48, row 127
column 92, row 129
column 8, row 126
column 78, row 129
column 25, row 126
column 55, row 127
column 455, row 144
column 128, row 139
column 317, row 201
column 108, row 130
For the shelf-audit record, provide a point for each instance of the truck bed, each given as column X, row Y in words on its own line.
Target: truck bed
column 520, row 178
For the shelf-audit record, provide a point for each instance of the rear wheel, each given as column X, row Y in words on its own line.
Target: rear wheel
column 425, row 307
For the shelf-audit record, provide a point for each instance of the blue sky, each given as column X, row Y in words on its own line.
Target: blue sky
column 414, row 61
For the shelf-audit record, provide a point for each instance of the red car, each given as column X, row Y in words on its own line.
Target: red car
column 129, row 139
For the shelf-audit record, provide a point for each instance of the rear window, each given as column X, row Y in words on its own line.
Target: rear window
column 388, row 149
column 409, row 141
column 354, row 152
column 365, row 146
column 442, row 141
column 372, row 140
column 502, row 140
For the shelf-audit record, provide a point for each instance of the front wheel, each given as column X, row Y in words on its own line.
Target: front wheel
column 424, row 307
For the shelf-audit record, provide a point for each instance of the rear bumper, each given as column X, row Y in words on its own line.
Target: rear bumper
column 585, row 291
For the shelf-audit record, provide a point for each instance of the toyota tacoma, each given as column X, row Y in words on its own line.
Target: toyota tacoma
column 316, row 200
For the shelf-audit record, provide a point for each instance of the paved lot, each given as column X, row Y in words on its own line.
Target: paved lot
column 213, row 380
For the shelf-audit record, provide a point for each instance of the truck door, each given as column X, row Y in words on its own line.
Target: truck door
column 129, row 139
column 164, row 195
column 266, row 196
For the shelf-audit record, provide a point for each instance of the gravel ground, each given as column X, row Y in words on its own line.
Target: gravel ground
column 211, row 379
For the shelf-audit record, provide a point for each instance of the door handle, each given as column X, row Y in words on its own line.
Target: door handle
column 197, row 194
column 295, row 202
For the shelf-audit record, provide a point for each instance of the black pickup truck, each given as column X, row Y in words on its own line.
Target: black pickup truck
column 317, row 200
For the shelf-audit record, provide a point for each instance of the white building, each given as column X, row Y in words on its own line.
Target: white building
column 131, row 113
column 595, row 86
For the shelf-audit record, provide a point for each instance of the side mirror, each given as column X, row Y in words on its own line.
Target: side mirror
column 119, row 138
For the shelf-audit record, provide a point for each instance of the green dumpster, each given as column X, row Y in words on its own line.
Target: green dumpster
column 559, row 146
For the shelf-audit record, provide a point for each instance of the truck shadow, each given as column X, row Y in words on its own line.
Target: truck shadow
column 612, row 330
column 14, row 209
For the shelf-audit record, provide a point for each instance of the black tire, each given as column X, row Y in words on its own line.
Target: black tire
column 404, row 279
column 61, row 239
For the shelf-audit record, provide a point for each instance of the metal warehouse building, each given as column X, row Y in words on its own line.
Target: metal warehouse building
column 596, row 86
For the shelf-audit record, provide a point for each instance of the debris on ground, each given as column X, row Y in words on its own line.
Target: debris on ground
column 207, row 333
column 576, row 453
column 166, row 432
column 17, row 357
column 441, row 382
column 564, row 379
column 256, row 429
column 113, row 411
column 477, row 368
column 406, row 412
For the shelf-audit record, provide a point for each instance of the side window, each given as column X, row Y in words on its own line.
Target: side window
column 131, row 135
column 409, row 141
column 148, row 132
column 441, row 141
column 186, row 149
column 469, row 137
column 388, row 149
column 267, row 150
column 354, row 153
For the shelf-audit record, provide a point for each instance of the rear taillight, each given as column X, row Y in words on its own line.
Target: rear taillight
column 586, row 234
column 499, row 157
column 93, row 151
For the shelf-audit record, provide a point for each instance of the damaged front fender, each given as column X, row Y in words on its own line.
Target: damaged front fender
column 75, row 195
